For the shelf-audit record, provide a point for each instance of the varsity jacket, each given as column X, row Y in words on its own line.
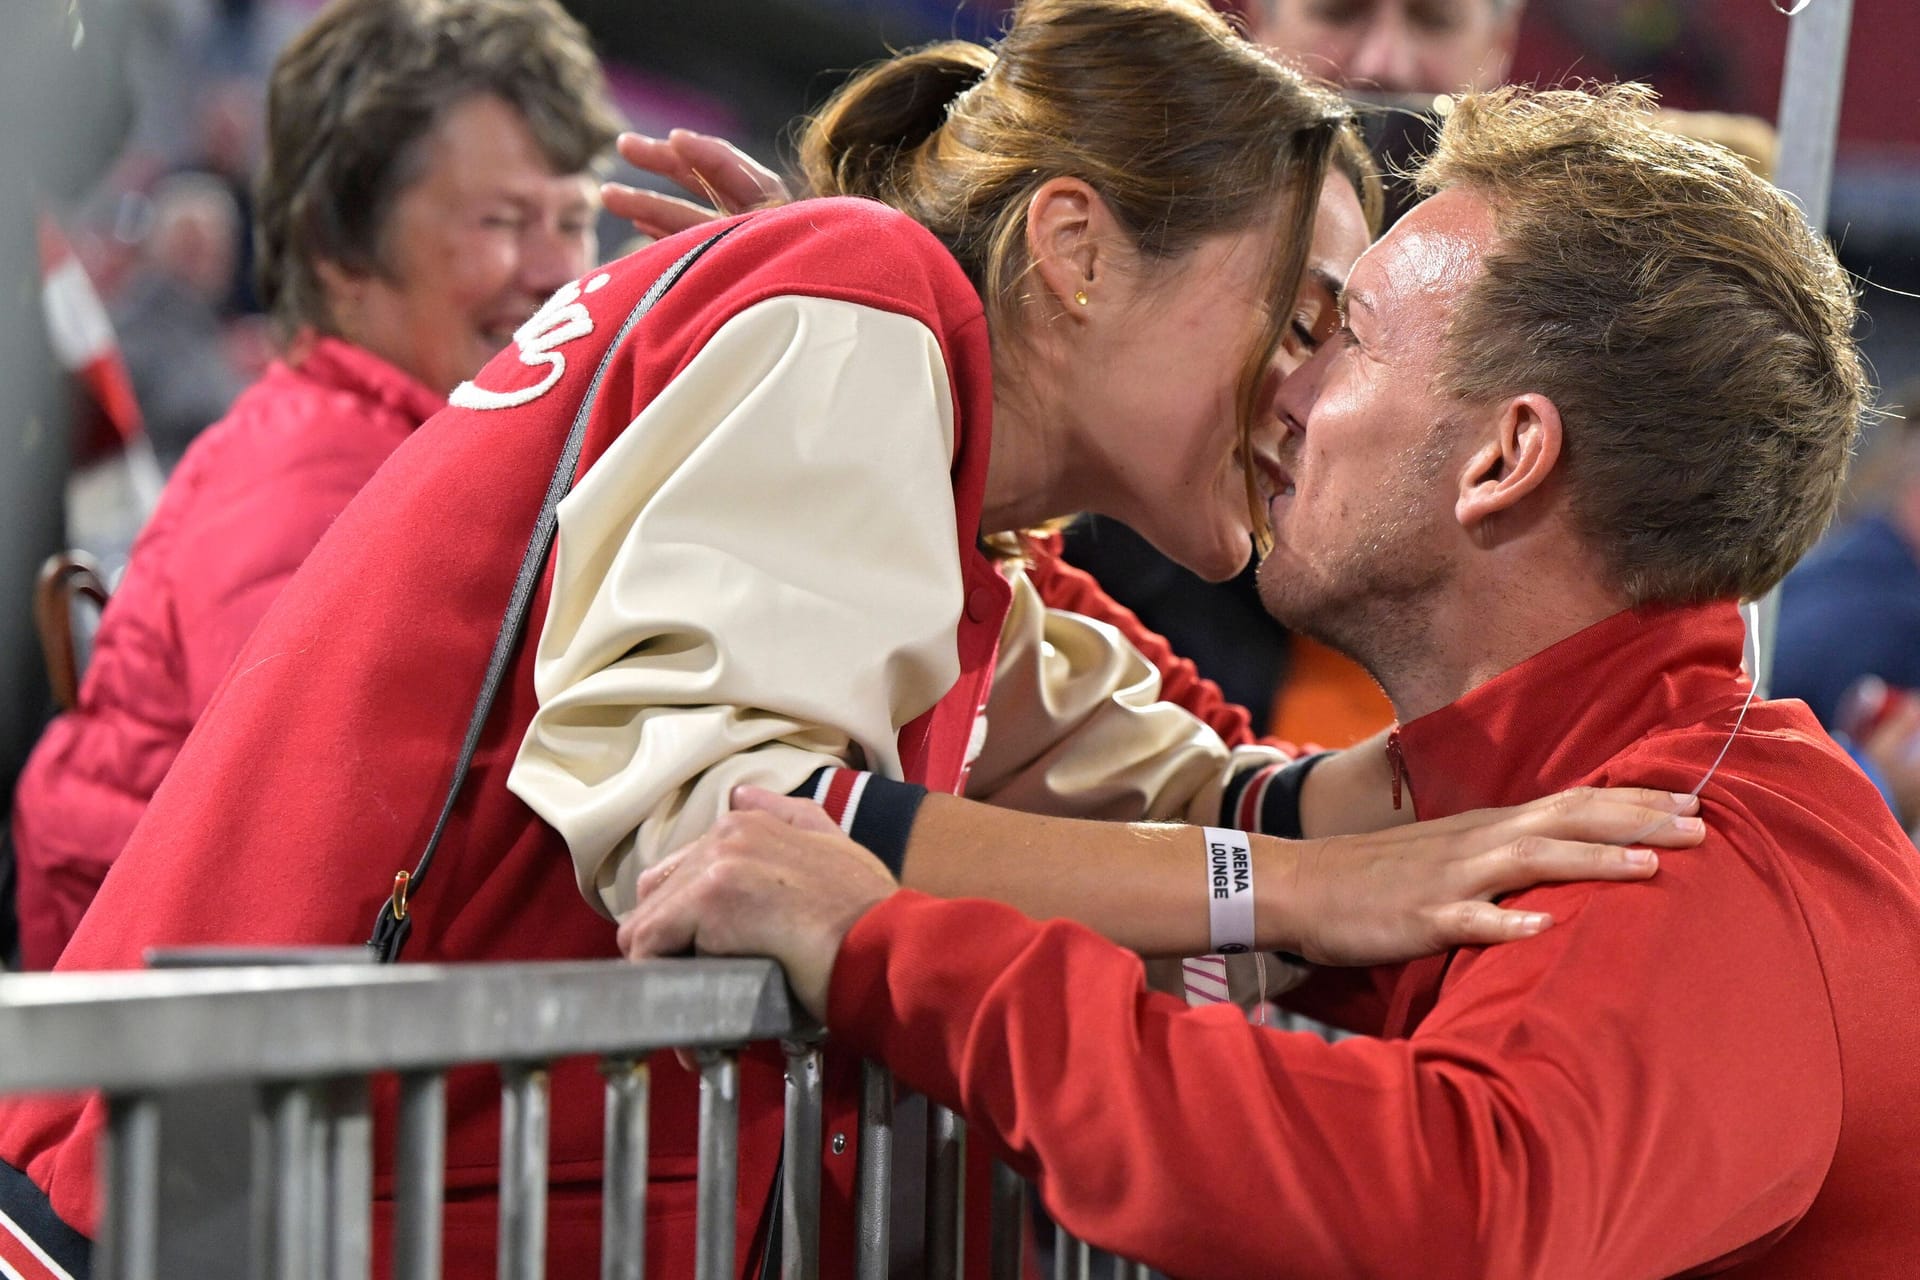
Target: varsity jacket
column 769, row 569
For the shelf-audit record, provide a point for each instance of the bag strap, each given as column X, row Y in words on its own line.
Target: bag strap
column 395, row 921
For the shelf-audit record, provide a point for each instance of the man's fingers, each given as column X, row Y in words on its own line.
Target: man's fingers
column 792, row 810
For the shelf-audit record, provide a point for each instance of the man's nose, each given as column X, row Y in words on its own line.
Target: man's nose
column 1293, row 404
column 1384, row 58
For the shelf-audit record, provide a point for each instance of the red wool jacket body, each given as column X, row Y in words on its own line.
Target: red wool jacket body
column 319, row 766
column 243, row 509
column 1714, row 1072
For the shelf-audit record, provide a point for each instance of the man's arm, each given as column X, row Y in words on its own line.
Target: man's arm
column 1649, row 1086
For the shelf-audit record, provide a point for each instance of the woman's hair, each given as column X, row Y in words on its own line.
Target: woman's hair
column 353, row 98
column 1185, row 130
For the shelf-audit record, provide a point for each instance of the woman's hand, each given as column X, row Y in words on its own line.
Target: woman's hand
column 1414, row 891
column 729, row 179
column 775, row 877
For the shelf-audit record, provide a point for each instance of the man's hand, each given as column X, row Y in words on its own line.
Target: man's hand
column 1413, row 891
column 773, row 878
column 727, row 178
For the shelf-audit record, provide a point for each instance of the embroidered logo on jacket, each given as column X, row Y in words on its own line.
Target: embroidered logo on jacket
column 559, row 321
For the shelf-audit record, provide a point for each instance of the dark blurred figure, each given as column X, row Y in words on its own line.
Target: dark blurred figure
column 427, row 186
column 1852, row 611
column 170, row 319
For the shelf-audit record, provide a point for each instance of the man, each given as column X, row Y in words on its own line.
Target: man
column 1394, row 46
column 1596, row 389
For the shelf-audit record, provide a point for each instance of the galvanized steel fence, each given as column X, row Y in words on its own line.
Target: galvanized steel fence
column 307, row 1038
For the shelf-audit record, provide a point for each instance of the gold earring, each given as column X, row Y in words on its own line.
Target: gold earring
column 1080, row 296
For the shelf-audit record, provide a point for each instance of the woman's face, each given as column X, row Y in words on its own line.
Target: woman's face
column 470, row 249
column 1162, row 400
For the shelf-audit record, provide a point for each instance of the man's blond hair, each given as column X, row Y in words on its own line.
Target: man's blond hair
column 1693, row 331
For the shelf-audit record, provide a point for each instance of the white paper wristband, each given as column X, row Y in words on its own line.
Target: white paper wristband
column 1229, row 890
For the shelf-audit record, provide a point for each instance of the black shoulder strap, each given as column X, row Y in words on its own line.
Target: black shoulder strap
column 395, row 922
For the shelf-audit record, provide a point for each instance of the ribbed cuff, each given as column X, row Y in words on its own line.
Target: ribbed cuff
column 877, row 812
column 1267, row 798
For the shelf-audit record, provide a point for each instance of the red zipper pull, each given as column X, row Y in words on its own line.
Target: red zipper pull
column 1398, row 763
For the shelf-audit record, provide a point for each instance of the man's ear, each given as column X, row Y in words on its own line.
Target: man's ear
column 1067, row 242
column 1513, row 463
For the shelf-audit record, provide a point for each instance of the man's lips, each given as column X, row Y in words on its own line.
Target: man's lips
column 1275, row 480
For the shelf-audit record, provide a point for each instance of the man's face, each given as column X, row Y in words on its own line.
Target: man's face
column 1367, row 534
column 1396, row 46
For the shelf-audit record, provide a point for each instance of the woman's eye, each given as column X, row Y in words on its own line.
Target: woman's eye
column 1304, row 336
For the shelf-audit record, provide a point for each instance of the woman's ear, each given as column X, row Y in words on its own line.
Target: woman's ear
column 1514, row 462
column 1068, row 242
column 341, row 290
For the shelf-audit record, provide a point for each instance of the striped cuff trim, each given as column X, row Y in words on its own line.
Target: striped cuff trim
column 1267, row 799
column 877, row 812
column 53, row 1250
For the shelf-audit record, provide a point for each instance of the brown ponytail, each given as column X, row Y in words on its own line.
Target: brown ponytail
column 1185, row 130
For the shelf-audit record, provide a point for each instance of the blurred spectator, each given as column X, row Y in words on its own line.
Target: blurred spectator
column 427, row 186
column 169, row 318
column 1394, row 46
column 1852, row 608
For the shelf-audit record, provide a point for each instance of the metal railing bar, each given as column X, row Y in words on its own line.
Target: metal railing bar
column 1132, row 1270
column 129, row 1231
column 874, row 1175
column 946, row 1194
column 145, row 1030
column 523, row 1172
column 419, row 1175
column 719, row 1177
column 288, row 1252
column 1009, row 1223
column 1072, row 1258
column 800, row 1183
column 623, row 1211
column 350, row 1180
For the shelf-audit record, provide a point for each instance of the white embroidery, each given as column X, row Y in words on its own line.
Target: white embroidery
column 561, row 320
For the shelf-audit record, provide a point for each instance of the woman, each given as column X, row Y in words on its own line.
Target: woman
column 770, row 568
column 428, row 183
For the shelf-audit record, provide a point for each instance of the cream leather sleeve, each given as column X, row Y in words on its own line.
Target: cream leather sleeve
column 758, row 578
column 1076, row 727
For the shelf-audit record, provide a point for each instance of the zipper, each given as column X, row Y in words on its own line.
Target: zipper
column 1398, row 763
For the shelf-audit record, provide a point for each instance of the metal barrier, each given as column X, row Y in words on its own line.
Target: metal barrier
column 142, row 1037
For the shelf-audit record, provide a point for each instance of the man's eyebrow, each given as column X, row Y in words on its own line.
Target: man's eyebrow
column 1349, row 300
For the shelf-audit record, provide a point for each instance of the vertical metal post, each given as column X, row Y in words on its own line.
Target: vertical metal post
column 873, row 1225
column 1133, row 1271
column 946, row 1194
column 1072, row 1258
column 349, row 1181
column 290, row 1249
column 523, row 1172
column 419, row 1176
column 800, row 1181
column 129, row 1229
column 1009, row 1223
column 1811, row 87
column 719, row 1184
column 623, row 1210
